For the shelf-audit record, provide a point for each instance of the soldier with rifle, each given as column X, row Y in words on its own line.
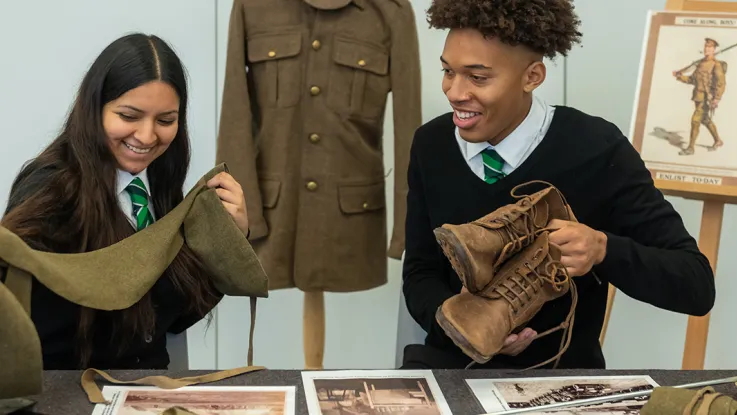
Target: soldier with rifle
column 709, row 83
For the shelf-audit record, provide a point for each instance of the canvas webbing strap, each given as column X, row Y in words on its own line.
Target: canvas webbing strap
column 94, row 394
column 251, row 330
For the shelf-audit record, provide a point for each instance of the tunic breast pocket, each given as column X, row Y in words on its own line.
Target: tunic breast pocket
column 275, row 67
column 359, row 80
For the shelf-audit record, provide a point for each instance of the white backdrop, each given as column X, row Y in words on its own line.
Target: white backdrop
column 44, row 56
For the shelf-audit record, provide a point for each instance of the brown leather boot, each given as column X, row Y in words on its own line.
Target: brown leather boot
column 477, row 249
column 479, row 323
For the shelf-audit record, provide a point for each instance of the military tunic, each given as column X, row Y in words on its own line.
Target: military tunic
column 301, row 128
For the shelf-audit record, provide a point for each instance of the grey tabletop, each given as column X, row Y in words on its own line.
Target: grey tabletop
column 64, row 395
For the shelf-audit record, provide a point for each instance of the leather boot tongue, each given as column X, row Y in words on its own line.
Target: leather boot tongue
column 328, row 4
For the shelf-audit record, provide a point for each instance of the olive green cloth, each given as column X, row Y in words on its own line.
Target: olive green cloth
column 117, row 276
column 21, row 366
column 667, row 400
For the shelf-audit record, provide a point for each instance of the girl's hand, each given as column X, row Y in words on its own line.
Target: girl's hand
column 231, row 194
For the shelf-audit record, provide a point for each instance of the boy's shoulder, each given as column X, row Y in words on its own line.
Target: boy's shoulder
column 592, row 129
column 435, row 132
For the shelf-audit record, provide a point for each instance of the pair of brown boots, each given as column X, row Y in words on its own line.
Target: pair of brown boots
column 509, row 269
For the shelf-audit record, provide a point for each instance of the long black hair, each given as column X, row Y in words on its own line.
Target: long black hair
column 75, row 178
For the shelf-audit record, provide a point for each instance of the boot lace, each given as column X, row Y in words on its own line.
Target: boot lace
column 520, row 220
column 531, row 284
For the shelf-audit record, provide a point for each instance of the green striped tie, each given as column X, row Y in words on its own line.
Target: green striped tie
column 493, row 164
column 139, row 198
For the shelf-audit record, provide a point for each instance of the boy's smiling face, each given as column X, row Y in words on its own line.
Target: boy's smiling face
column 488, row 84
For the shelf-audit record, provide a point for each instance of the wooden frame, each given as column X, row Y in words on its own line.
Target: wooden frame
column 713, row 181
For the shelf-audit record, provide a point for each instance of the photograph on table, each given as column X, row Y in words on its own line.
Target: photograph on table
column 405, row 392
column 198, row 400
column 682, row 122
column 496, row 395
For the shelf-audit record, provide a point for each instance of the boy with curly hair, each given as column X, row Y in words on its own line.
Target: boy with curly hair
column 499, row 134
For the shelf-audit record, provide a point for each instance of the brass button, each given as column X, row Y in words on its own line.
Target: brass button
column 362, row 63
column 365, row 205
column 316, row 44
column 272, row 53
column 311, row 186
column 314, row 137
column 315, row 90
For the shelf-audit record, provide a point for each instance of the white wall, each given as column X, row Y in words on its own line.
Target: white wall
column 46, row 54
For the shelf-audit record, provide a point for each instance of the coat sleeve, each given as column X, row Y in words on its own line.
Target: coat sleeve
column 406, row 86
column 235, row 143
column 650, row 255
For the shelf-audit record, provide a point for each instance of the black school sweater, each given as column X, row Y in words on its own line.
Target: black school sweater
column 650, row 255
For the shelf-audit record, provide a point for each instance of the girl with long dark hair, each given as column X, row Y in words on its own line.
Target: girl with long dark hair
column 119, row 163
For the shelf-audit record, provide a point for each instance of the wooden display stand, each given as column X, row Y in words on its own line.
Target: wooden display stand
column 313, row 329
column 714, row 196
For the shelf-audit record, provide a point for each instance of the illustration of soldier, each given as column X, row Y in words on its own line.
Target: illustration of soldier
column 708, row 79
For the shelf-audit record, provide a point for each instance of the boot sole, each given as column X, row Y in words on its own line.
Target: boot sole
column 453, row 250
column 458, row 338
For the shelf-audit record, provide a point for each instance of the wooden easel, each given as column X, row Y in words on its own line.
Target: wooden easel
column 714, row 198
column 313, row 329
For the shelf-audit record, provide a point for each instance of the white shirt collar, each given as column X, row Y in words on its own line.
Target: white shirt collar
column 125, row 178
column 513, row 147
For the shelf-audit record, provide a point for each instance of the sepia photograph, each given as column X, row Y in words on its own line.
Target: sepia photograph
column 505, row 394
column 682, row 122
column 198, row 400
column 373, row 392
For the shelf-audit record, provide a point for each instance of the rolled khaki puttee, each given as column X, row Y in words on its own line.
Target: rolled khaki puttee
column 117, row 276
column 666, row 400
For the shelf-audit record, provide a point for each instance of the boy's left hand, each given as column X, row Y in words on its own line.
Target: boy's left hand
column 581, row 247
column 231, row 194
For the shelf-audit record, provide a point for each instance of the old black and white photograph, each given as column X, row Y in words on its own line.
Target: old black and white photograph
column 506, row 394
column 373, row 392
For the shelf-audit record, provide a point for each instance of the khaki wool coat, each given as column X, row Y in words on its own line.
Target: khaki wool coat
column 301, row 128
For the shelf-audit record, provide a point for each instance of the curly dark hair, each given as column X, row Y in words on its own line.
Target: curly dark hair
column 547, row 27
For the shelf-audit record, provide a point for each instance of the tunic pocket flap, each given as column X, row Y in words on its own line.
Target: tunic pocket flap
column 270, row 189
column 361, row 55
column 274, row 46
column 361, row 198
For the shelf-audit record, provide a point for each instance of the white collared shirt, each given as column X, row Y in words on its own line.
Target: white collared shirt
column 517, row 146
column 124, row 199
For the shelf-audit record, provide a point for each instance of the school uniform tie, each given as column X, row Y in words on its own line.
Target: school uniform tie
column 139, row 197
column 493, row 165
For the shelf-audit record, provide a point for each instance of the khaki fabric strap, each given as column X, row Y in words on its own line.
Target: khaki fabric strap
column 696, row 400
column 20, row 283
column 129, row 268
column 94, row 394
column 707, row 401
column 251, row 331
